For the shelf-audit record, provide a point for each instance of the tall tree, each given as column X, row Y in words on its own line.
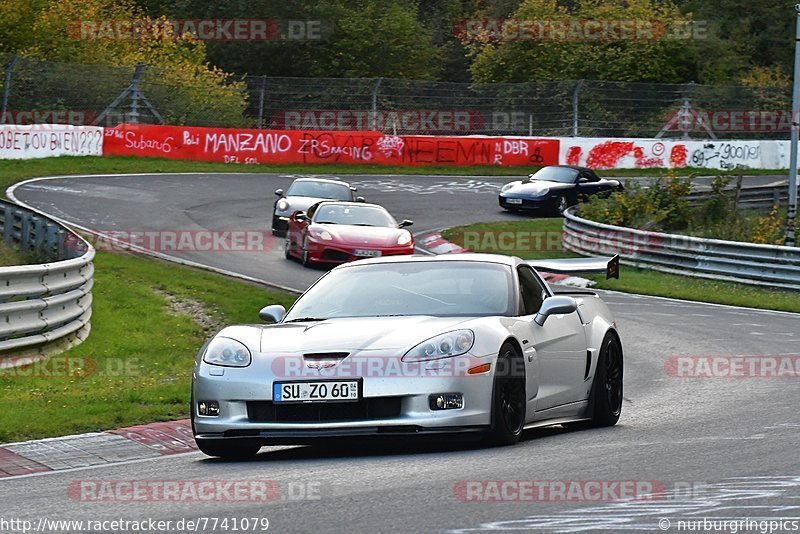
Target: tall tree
column 182, row 84
column 620, row 44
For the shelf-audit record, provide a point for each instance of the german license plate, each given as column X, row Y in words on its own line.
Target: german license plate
column 514, row 200
column 324, row 391
column 366, row 253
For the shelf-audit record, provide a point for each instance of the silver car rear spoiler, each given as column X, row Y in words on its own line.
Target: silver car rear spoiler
column 610, row 266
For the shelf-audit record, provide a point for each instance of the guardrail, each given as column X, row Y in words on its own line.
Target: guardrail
column 44, row 307
column 762, row 197
column 766, row 265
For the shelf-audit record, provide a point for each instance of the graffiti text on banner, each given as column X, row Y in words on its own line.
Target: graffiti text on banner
column 611, row 153
column 293, row 146
column 47, row 140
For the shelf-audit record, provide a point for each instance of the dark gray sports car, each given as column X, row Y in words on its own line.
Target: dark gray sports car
column 555, row 188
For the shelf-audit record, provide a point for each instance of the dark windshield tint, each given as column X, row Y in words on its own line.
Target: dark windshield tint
column 308, row 188
column 565, row 175
column 444, row 288
column 350, row 214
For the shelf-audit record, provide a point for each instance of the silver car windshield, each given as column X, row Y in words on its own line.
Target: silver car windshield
column 314, row 189
column 565, row 175
column 442, row 289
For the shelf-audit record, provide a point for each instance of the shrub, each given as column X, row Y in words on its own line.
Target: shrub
column 663, row 206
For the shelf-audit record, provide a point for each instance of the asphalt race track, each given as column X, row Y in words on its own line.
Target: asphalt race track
column 718, row 448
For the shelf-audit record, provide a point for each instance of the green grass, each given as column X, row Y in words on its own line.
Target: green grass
column 632, row 280
column 12, row 171
column 142, row 351
column 12, row 256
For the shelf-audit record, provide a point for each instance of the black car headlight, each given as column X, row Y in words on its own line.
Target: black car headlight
column 507, row 187
column 540, row 192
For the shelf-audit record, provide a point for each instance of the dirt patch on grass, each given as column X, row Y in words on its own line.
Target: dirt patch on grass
column 194, row 309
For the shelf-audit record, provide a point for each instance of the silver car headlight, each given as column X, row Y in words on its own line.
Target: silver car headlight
column 227, row 352
column 442, row 346
column 283, row 205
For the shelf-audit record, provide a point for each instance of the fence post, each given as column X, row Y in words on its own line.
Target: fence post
column 261, row 101
column 133, row 91
column 8, row 225
column 7, row 87
column 374, row 114
column 575, row 107
column 137, row 72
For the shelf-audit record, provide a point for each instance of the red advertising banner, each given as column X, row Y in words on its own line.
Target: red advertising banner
column 230, row 145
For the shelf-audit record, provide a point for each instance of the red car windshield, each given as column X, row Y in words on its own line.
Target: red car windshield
column 354, row 215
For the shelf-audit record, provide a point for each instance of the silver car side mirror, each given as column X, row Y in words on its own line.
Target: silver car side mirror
column 555, row 306
column 272, row 314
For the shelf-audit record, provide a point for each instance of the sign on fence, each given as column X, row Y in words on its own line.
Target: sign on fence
column 47, row 140
column 293, row 146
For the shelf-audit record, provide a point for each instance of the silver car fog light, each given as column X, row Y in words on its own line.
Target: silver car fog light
column 208, row 408
column 446, row 401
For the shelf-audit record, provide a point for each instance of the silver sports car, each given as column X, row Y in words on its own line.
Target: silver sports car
column 467, row 343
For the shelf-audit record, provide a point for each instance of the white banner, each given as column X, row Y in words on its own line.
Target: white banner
column 622, row 153
column 47, row 140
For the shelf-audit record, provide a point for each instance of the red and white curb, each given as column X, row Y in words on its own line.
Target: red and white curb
column 434, row 243
column 96, row 448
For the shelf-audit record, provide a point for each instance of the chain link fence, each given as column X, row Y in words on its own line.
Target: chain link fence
column 49, row 92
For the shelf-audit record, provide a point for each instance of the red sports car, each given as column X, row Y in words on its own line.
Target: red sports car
column 333, row 232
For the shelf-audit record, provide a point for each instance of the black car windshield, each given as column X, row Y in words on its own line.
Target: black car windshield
column 352, row 214
column 437, row 288
column 565, row 175
column 311, row 188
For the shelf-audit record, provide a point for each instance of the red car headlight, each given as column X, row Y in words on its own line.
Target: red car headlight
column 322, row 234
column 404, row 238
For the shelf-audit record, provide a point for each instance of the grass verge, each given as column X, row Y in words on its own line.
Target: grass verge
column 136, row 365
column 541, row 238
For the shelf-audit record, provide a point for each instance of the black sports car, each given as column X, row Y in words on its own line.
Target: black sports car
column 555, row 188
column 305, row 192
